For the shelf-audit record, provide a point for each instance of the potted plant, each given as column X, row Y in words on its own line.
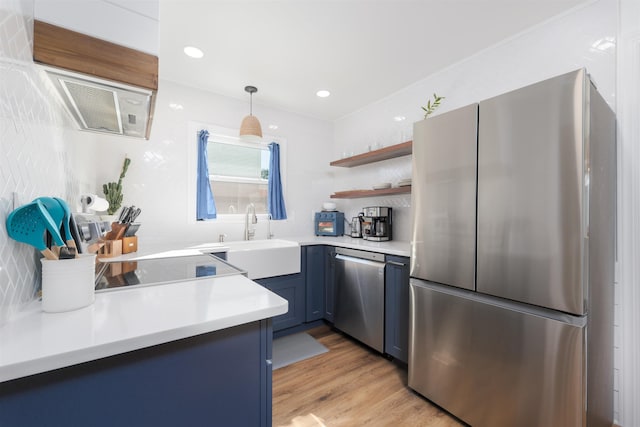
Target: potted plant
column 431, row 107
column 113, row 190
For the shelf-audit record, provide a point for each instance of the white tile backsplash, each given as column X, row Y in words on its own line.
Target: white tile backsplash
column 560, row 45
column 34, row 161
column 158, row 179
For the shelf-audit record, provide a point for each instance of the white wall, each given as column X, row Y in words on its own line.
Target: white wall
column 627, row 355
column 565, row 43
column 158, row 178
column 555, row 47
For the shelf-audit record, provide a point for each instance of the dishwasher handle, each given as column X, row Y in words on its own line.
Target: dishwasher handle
column 357, row 253
column 363, row 261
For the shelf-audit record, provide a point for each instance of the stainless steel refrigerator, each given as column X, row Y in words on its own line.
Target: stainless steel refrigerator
column 512, row 262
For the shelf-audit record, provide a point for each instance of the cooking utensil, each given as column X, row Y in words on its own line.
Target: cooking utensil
column 28, row 223
column 75, row 234
column 66, row 223
column 58, row 215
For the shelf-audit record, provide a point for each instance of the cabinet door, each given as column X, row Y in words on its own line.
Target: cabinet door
column 227, row 374
column 329, row 283
column 291, row 288
column 396, row 341
column 314, row 270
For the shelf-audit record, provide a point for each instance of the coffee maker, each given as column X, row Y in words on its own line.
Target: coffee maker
column 377, row 223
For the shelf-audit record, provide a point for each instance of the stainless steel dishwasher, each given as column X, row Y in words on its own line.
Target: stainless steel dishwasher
column 359, row 296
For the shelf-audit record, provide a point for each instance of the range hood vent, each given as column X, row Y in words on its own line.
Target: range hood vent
column 105, row 87
column 102, row 106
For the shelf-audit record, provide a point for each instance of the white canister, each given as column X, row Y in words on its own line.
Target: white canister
column 68, row 284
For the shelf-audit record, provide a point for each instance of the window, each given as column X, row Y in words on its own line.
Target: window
column 238, row 172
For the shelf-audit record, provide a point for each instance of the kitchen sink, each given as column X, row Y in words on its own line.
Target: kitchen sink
column 260, row 258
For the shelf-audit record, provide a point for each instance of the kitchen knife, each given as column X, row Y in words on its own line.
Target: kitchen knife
column 132, row 230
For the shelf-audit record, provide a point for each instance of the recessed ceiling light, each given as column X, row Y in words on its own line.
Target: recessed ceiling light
column 399, row 118
column 193, row 52
column 323, row 93
column 175, row 106
column 273, row 127
column 604, row 44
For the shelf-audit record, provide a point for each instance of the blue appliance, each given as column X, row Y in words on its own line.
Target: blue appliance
column 329, row 223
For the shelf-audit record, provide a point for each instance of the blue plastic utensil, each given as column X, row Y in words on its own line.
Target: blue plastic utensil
column 66, row 223
column 58, row 215
column 28, row 223
column 56, row 212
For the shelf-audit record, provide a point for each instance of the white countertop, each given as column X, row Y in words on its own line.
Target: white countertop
column 391, row 247
column 130, row 319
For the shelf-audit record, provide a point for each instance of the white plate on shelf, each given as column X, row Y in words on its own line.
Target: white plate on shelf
column 382, row 186
column 404, row 183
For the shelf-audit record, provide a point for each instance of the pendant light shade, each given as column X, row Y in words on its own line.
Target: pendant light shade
column 250, row 128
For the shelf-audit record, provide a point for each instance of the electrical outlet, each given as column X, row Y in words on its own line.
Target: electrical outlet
column 15, row 199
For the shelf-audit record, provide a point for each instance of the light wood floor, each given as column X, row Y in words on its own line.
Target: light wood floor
column 349, row 386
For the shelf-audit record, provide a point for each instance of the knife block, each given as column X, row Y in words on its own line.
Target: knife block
column 110, row 249
column 129, row 244
column 117, row 231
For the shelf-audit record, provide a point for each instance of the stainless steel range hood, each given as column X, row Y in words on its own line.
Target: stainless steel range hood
column 106, row 87
column 103, row 106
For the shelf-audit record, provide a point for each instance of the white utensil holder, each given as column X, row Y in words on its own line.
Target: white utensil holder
column 68, row 284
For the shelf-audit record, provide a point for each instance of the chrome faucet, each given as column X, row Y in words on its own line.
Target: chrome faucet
column 269, row 233
column 248, row 234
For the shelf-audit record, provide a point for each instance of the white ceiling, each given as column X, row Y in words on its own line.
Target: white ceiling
column 359, row 50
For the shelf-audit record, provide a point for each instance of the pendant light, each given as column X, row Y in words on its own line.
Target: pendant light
column 250, row 128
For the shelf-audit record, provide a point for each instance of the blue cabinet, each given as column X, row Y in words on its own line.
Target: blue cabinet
column 396, row 341
column 292, row 288
column 314, row 268
column 218, row 378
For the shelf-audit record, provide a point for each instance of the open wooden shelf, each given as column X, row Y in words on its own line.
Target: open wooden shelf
column 391, row 152
column 355, row 194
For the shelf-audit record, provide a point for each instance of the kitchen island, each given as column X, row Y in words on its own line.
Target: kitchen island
column 188, row 353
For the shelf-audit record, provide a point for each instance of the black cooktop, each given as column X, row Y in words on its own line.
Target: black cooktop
column 110, row 275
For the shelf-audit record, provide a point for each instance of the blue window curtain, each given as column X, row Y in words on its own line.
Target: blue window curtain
column 275, row 199
column 206, row 206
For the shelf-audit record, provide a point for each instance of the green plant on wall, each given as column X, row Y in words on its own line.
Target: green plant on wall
column 431, row 106
column 113, row 190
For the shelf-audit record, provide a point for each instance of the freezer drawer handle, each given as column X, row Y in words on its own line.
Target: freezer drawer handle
column 401, row 264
